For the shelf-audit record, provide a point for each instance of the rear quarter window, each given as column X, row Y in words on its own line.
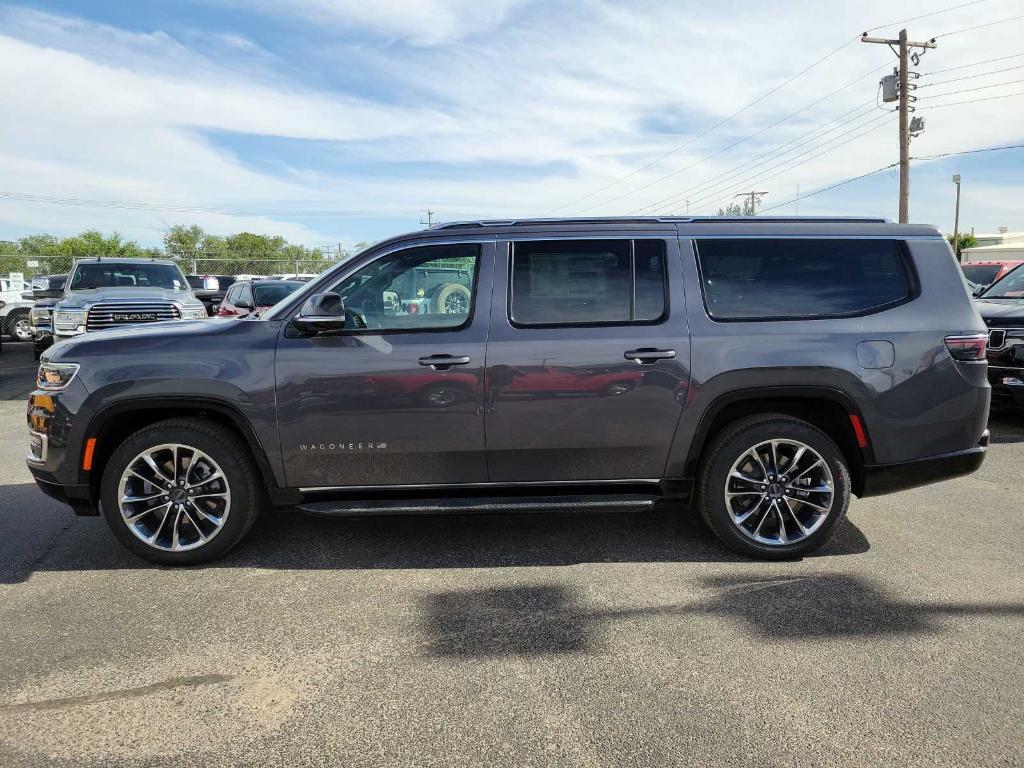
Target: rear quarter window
column 763, row 279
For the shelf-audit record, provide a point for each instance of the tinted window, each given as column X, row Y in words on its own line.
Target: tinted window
column 753, row 278
column 427, row 288
column 980, row 273
column 115, row 275
column 558, row 282
column 269, row 295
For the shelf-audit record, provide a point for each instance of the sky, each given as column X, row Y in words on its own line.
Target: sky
column 339, row 121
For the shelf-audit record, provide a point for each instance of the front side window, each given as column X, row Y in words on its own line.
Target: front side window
column 982, row 274
column 755, row 279
column 109, row 274
column 574, row 282
column 417, row 289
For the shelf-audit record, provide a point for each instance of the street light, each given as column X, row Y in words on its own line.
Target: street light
column 956, row 219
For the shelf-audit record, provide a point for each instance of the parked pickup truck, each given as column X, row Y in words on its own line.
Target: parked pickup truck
column 109, row 293
column 760, row 371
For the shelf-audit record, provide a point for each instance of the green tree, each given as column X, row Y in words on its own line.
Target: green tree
column 735, row 209
column 964, row 240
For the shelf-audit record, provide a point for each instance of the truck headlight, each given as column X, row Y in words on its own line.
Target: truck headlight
column 194, row 314
column 55, row 376
column 36, row 314
column 69, row 319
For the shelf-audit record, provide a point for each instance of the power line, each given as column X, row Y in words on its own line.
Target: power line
column 831, row 186
column 752, row 163
column 973, row 101
column 970, row 90
column 924, row 16
column 720, row 189
column 971, row 77
column 706, row 131
column 809, row 159
column 978, row 26
column 974, row 64
column 738, row 142
column 970, row 151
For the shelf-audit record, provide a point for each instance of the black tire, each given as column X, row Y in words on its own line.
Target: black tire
column 19, row 326
column 220, row 444
column 729, row 445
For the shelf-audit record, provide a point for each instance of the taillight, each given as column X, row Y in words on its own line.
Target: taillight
column 968, row 349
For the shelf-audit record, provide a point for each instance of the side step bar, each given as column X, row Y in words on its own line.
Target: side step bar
column 625, row 502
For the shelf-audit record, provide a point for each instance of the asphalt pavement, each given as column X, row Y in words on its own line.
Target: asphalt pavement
column 547, row 640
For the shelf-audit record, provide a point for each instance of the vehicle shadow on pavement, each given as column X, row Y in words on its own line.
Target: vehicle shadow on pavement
column 552, row 619
column 37, row 534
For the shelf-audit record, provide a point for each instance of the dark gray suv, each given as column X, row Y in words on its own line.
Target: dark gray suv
column 761, row 370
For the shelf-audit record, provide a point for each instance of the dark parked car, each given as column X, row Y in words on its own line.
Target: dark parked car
column 248, row 297
column 46, row 292
column 1002, row 308
column 210, row 289
column 759, row 370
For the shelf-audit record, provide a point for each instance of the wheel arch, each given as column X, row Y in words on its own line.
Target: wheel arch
column 826, row 408
column 110, row 428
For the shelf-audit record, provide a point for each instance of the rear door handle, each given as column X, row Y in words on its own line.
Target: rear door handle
column 647, row 355
column 444, row 362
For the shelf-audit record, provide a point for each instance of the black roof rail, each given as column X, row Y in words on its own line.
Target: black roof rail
column 666, row 220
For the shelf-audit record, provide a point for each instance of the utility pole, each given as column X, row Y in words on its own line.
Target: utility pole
column 797, row 199
column 956, row 219
column 430, row 219
column 755, row 198
column 904, row 107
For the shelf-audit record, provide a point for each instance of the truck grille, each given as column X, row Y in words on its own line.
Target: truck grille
column 111, row 315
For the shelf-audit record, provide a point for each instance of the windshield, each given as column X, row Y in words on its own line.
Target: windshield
column 983, row 274
column 1011, row 286
column 115, row 275
column 269, row 295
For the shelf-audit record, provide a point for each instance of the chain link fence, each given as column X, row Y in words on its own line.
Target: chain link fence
column 235, row 264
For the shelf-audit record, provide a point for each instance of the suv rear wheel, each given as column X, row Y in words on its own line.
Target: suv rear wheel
column 180, row 492
column 773, row 487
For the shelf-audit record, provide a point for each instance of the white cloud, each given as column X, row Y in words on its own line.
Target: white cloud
column 420, row 22
column 545, row 106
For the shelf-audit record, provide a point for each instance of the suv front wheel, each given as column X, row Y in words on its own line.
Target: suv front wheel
column 773, row 487
column 180, row 492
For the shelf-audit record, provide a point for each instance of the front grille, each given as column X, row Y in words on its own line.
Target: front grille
column 112, row 315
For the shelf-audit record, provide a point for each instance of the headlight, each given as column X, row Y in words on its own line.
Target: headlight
column 193, row 314
column 55, row 376
column 39, row 314
column 69, row 318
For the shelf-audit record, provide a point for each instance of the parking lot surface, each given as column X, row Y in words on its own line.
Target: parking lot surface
column 590, row 640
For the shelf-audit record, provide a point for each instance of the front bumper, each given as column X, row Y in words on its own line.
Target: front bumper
column 880, row 479
column 78, row 497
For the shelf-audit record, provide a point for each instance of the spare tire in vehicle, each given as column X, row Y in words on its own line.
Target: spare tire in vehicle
column 452, row 299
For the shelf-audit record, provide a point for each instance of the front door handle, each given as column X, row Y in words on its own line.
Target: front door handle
column 649, row 355
column 444, row 362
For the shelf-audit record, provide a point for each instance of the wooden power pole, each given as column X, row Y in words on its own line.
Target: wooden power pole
column 903, row 52
column 755, row 198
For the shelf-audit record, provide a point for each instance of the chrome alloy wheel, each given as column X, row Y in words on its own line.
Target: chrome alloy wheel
column 779, row 492
column 174, row 497
column 456, row 304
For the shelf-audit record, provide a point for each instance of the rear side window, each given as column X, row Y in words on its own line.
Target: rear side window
column 578, row 282
column 754, row 279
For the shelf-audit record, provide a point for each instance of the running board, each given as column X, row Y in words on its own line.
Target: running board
column 593, row 503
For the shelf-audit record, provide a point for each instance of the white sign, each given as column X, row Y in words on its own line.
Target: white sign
column 32, row 263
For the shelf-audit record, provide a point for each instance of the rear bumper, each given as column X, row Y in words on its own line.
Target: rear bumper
column 880, row 479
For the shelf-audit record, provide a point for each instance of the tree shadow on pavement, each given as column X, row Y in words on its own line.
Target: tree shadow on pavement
column 550, row 619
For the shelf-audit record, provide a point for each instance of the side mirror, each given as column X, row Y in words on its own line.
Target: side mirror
column 243, row 304
column 322, row 312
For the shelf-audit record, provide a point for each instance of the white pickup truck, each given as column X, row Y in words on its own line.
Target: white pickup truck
column 15, row 308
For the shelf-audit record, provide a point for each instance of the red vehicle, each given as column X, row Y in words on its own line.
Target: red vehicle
column 984, row 273
column 248, row 297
